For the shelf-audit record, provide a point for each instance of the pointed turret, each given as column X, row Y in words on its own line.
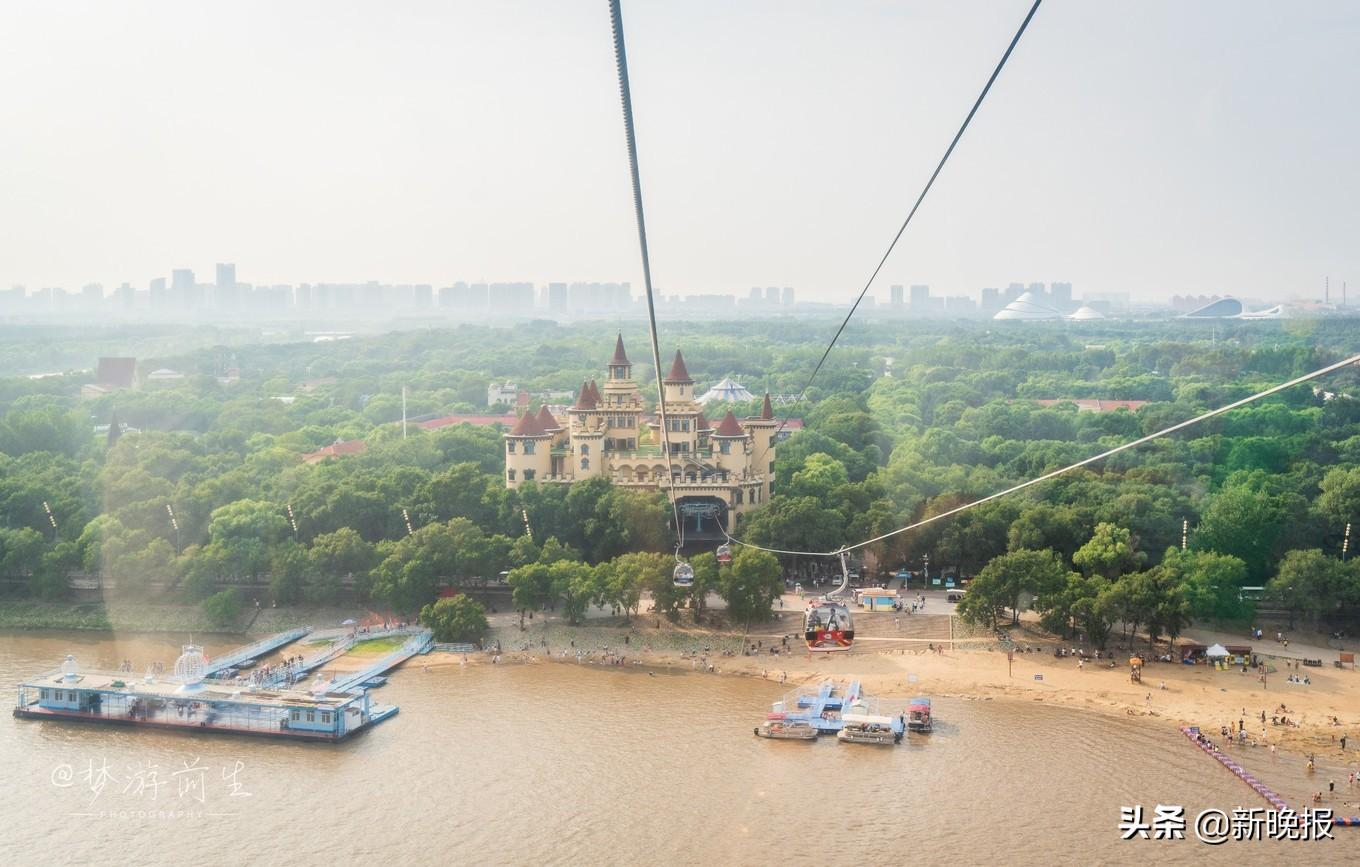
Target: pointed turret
column 585, row 399
column 620, row 357
column 545, row 419
column 678, row 372
column 595, row 392
column 766, row 409
column 729, row 427
column 527, row 426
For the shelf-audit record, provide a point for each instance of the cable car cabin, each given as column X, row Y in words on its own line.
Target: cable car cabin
column 827, row 626
column 683, row 575
column 724, row 554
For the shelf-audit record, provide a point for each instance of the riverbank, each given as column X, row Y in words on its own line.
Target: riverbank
column 132, row 616
column 907, row 656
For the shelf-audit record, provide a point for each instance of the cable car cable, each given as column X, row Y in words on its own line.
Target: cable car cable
column 912, row 213
column 626, row 97
column 1237, row 404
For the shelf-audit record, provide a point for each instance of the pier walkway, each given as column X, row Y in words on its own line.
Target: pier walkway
column 256, row 650
column 419, row 642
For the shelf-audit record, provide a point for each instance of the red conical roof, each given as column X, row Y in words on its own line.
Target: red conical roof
column 729, row 427
column 545, row 419
column 766, row 410
column 702, row 423
column 678, row 372
column 595, row 392
column 584, row 398
column 527, row 426
column 620, row 357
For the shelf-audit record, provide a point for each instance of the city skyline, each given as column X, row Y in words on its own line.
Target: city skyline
column 184, row 296
column 1158, row 150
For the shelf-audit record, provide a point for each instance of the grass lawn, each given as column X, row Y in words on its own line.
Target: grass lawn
column 386, row 644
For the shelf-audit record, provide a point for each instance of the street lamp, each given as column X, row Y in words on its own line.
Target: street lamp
column 51, row 519
column 173, row 523
column 1346, row 542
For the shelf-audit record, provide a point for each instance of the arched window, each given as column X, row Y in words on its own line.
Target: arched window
column 585, row 463
column 585, row 449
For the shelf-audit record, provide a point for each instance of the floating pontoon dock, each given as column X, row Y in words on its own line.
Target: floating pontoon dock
column 192, row 701
column 822, row 705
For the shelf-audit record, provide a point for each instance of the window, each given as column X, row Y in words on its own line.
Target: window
column 585, row 463
column 585, row 449
column 311, row 716
column 510, row 474
column 736, row 497
column 725, row 446
column 510, row 447
column 771, row 467
column 326, row 717
column 297, row 715
column 529, row 447
column 42, row 694
column 529, row 475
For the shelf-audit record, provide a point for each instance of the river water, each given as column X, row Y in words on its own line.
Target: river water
column 559, row 764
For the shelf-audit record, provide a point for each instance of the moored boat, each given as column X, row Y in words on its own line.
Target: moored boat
column 778, row 726
column 859, row 728
column 918, row 715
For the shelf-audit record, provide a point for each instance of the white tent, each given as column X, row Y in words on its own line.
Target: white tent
column 1216, row 650
column 1027, row 307
column 727, row 391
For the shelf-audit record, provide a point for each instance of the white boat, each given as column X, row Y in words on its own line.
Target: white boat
column 779, row 727
column 862, row 728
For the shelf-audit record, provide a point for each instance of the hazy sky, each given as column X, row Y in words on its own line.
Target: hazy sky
column 1148, row 147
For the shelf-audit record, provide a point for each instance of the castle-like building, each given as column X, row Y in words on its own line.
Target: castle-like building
column 714, row 471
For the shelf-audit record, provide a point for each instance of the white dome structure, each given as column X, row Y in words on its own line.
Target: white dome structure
column 1085, row 314
column 1227, row 307
column 192, row 665
column 726, row 391
column 1027, row 308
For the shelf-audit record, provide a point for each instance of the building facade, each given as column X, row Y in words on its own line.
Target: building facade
column 714, row 471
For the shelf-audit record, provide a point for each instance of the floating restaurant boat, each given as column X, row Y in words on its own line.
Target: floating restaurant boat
column 191, row 700
column 863, row 728
column 918, row 715
column 782, row 727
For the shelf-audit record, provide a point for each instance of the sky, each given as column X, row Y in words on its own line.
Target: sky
column 1150, row 148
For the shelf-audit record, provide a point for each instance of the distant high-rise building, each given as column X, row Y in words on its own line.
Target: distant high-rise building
column 225, row 291
column 557, row 297
column 226, row 275
column 1037, row 290
column 423, row 295
column 896, row 294
column 511, row 297
column 181, row 279
column 920, row 296
column 991, row 299
column 755, row 295
column 788, row 296
column 92, row 294
column 772, row 295
column 125, row 296
column 1061, row 295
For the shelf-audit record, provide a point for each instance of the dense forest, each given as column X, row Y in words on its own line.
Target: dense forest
column 907, row 420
